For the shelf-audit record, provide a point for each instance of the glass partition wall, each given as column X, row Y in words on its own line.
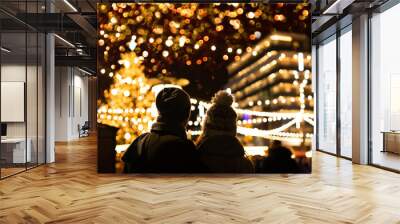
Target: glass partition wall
column 22, row 77
column 327, row 95
column 385, row 89
column 334, row 95
column 345, row 92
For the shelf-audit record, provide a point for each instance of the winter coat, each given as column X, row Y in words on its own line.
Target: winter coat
column 224, row 154
column 164, row 150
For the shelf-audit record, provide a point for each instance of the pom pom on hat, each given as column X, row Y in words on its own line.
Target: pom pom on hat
column 223, row 98
column 221, row 116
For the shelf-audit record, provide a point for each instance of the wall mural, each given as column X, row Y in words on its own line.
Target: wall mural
column 204, row 88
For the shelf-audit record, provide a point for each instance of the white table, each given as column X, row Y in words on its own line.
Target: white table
column 19, row 155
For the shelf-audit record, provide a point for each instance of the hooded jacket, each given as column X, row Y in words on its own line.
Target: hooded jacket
column 165, row 149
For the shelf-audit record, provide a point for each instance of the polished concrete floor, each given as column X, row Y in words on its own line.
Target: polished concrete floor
column 70, row 191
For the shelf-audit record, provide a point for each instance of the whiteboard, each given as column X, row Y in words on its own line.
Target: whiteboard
column 12, row 101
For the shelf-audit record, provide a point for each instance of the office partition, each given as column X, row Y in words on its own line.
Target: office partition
column 22, row 77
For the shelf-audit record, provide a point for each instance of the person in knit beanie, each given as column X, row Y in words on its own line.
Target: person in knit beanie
column 165, row 149
column 220, row 150
column 220, row 117
column 173, row 105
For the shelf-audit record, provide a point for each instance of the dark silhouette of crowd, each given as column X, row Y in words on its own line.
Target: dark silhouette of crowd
column 279, row 160
column 166, row 148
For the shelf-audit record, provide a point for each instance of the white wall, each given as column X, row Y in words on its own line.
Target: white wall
column 80, row 110
column 16, row 73
column 71, row 102
column 33, row 127
column 61, row 103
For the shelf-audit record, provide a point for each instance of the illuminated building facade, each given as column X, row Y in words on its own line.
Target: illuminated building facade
column 272, row 84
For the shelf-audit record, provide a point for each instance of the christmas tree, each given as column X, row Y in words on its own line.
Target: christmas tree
column 129, row 102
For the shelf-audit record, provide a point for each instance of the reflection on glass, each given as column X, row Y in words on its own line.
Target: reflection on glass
column 346, row 94
column 327, row 97
column 22, row 90
column 31, row 97
column 15, row 149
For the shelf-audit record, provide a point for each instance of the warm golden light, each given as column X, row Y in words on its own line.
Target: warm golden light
column 281, row 38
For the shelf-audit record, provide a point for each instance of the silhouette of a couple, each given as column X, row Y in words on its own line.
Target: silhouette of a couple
column 166, row 148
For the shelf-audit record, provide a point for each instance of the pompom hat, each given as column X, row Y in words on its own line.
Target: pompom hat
column 220, row 117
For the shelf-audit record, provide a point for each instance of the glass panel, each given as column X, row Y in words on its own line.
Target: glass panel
column 41, row 42
column 327, row 97
column 41, row 99
column 32, row 85
column 15, row 149
column 385, row 84
column 32, row 97
column 13, row 87
column 346, row 94
column 22, row 87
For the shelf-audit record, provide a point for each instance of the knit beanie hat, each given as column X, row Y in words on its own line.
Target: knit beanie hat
column 221, row 117
column 173, row 104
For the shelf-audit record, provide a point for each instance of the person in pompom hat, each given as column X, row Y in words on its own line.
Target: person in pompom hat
column 220, row 150
column 166, row 148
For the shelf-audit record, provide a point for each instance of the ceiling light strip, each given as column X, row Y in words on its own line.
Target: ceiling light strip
column 5, row 50
column 70, row 5
column 65, row 41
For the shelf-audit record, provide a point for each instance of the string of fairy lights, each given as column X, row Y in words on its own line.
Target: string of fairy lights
column 150, row 32
column 143, row 117
column 140, row 44
column 294, row 119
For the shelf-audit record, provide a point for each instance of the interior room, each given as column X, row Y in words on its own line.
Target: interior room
column 72, row 104
column 79, row 91
column 22, row 99
column 385, row 110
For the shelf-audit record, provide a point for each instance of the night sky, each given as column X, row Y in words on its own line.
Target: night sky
column 243, row 26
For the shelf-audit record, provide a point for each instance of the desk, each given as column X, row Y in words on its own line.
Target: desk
column 391, row 141
column 13, row 150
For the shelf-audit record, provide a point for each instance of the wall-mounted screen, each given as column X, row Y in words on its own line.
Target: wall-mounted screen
column 205, row 88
